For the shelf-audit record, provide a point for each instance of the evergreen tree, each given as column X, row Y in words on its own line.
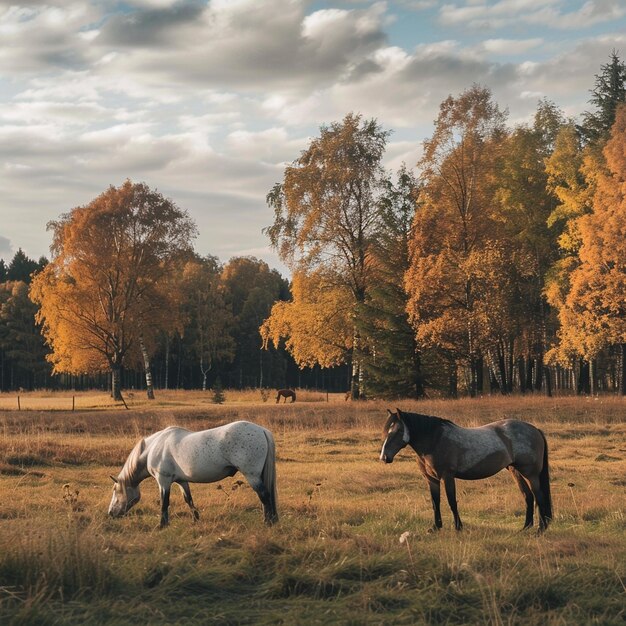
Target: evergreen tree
column 393, row 362
column 3, row 271
column 608, row 92
column 21, row 267
column 20, row 338
column 218, row 392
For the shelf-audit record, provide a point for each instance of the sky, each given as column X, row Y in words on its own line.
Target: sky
column 209, row 101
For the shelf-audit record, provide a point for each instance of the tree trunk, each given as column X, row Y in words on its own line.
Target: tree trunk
column 548, row 381
column 479, row 375
column 622, row 386
column 522, row 374
column 204, row 371
column 167, row 362
column 583, row 381
column 592, row 377
column 417, row 375
column 116, row 390
column 147, row 369
column 538, row 372
column 453, row 381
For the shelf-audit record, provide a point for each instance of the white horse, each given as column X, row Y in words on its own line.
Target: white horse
column 177, row 455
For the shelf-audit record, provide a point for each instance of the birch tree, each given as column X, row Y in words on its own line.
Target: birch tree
column 325, row 214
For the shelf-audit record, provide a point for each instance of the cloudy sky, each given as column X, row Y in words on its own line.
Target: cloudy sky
column 207, row 101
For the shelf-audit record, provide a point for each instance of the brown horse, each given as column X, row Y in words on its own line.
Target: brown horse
column 285, row 393
column 446, row 451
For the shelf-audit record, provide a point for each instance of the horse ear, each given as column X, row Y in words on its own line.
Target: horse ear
column 113, row 479
column 389, row 411
column 399, row 413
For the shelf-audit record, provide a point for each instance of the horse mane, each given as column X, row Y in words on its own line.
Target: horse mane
column 131, row 470
column 418, row 424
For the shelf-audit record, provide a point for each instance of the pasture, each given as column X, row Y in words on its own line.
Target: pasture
column 351, row 546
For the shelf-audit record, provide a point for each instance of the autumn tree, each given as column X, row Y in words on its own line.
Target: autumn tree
column 103, row 290
column 325, row 217
column 524, row 205
column 316, row 324
column 455, row 219
column 210, row 318
column 593, row 313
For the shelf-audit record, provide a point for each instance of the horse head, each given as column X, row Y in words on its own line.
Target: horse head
column 124, row 498
column 395, row 436
column 126, row 486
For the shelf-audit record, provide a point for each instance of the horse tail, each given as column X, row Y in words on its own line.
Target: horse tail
column 269, row 474
column 293, row 395
column 544, row 480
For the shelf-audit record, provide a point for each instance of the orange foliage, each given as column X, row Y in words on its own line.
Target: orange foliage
column 109, row 280
column 593, row 314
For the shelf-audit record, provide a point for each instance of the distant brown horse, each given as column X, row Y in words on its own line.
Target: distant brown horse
column 285, row 393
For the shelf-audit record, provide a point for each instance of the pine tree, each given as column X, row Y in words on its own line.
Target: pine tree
column 218, row 392
column 21, row 267
column 3, row 271
column 609, row 91
column 393, row 361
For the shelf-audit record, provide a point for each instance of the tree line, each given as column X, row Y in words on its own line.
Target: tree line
column 495, row 266
column 199, row 325
column 500, row 268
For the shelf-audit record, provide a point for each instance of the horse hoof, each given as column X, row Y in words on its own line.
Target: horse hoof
column 434, row 529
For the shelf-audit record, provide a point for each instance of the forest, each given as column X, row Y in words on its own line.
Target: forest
column 494, row 265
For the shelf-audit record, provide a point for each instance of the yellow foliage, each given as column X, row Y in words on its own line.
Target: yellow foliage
column 317, row 324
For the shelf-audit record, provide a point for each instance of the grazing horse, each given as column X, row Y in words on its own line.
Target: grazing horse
column 446, row 451
column 285, row 393
column 177, row 455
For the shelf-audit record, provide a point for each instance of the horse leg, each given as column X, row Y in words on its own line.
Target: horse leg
column 535, row 486
column 435, row 495
column 450, row 485
column 265, row 497
column 165, row 504
column 184, row 486
column 528, row 495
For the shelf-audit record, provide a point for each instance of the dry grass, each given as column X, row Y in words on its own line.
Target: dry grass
column 336, row 555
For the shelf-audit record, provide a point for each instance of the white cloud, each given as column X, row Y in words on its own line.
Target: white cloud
column 555, row 14
column 510, row 46
column 208, row 101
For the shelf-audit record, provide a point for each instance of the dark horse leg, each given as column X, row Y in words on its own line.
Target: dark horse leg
column 542, row 502
column 165, row 504
column 528, row 495
column 184, row 485
column 269, row 506
column 451, row 495
column 435, row 495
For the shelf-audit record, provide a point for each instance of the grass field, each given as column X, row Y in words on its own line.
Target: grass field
column 336, row 556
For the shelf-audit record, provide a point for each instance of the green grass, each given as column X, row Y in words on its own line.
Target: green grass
column 336, row 555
